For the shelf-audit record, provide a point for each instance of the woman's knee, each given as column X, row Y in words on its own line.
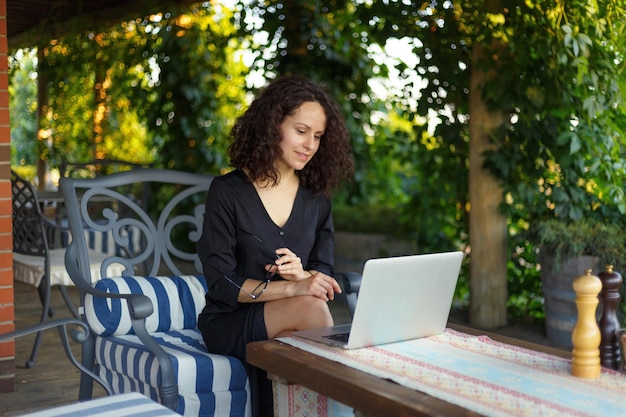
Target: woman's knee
column 314, row 307
column 297, row 313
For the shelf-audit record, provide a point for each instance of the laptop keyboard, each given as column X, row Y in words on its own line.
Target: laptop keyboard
column 341, row 337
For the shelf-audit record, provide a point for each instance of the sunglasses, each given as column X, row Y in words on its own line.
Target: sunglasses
column 259, row 289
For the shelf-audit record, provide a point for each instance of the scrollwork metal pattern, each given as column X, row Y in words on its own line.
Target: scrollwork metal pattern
column 146, row 246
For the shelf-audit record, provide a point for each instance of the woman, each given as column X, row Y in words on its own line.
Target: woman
column 267, row 243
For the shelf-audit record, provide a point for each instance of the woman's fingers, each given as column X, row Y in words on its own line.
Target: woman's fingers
column 289, row 265
column 324, row 286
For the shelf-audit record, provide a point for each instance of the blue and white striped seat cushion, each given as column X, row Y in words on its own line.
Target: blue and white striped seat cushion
column 209, row 384
column 124, row 405
column 177, row 303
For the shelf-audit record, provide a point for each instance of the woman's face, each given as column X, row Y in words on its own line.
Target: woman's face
column 300, row 135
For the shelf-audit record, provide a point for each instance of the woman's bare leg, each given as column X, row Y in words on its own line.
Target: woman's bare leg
column 297, row 313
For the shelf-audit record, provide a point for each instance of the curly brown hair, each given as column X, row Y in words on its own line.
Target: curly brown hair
column 256, row 136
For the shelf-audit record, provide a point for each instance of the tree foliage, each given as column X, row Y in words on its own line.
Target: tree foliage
column 23, row 103
column 322, row 41
column 563, row 146
column 559, row 67
column 192, row 104
column 158, row 89
column 559, row 73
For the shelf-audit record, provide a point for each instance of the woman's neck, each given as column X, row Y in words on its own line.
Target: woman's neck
column 286, row 178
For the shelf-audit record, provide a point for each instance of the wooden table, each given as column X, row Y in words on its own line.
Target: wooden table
column 372, row 395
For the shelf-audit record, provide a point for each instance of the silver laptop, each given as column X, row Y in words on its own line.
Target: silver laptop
column 400, row 298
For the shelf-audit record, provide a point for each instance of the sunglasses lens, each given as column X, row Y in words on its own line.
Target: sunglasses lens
column 272, row 271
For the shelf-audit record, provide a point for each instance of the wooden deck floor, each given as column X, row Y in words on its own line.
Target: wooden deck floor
column 53, row 380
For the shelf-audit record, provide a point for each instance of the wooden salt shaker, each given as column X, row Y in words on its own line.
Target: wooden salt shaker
column 608, row 322
column 586, row 334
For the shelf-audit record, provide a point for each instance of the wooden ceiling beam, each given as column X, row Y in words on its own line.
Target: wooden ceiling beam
column 33, row 22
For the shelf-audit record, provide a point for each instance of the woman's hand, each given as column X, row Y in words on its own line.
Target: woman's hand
column 288, row 265
column 318, row 285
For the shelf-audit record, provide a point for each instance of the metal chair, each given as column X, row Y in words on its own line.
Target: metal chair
column 79, row 334
column 165, row 355
column 35, row 260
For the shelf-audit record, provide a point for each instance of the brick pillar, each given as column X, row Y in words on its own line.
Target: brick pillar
column 7, row 349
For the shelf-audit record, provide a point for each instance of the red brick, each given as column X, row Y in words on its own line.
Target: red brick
column 6, row 242
column 6, row 295
column 5, row 207
column 6, row 261
column 7, row 349
column 6, row 313
column 4, row 116
column 8, row 384
column 7, row 366
column 6, row 223
column 6, row 277
column 5, row 152
column 6, row 327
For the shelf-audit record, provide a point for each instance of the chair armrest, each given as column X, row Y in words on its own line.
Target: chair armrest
column 79, row 335
column 350, row 282
column 56, row 232
column 140, row 307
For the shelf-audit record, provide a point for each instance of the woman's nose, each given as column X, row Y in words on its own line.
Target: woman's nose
column 309, row 143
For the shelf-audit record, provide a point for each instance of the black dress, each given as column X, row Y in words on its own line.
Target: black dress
column 238, row 240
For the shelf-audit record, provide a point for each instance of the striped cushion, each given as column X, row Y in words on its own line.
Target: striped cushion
column 125, row 405
column 103, row 242
column 177, row 303
column 209, row 384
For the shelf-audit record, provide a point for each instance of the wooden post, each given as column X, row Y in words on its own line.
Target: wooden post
column 487, row 224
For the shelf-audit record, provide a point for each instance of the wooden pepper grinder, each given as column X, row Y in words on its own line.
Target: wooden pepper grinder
column 608, row 322
column 586, row 333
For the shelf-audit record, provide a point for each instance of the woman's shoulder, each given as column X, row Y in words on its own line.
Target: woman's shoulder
column 235, row 178
column 233, row 184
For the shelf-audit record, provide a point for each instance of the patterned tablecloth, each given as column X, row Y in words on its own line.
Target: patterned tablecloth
column 489, row 377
